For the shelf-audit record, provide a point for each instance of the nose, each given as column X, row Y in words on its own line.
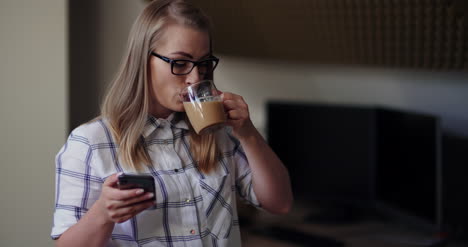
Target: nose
column 193, row 76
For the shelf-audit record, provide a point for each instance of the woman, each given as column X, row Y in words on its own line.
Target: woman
column 142, row 129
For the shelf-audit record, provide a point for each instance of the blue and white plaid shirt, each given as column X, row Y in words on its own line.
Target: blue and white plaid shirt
column 192, row 209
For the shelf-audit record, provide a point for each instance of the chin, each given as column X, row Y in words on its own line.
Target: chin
column 179, row 107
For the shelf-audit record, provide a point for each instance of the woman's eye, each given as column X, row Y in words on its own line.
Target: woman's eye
column 207, row 64
column 180, row 64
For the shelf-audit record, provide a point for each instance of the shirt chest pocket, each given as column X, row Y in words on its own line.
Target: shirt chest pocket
column 218, row 203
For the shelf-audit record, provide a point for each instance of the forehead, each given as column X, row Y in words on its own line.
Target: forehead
column 178, row 37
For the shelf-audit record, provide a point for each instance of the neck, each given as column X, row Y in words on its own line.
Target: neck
column 159, row 111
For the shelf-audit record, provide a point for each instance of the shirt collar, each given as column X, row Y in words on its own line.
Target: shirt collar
column 176, row 120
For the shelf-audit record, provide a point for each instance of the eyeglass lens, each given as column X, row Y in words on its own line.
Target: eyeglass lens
column 181, row 67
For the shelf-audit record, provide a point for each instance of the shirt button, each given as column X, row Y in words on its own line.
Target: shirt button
column 188, row 200
column 192, row 231
column 176, row 170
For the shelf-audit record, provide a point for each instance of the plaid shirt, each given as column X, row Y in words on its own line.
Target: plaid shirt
column 192, row 209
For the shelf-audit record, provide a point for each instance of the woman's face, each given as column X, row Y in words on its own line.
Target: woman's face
column 177, row 42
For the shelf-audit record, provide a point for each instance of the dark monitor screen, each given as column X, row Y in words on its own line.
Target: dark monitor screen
column 388, row 158
column 326, row 149
column 408, row 171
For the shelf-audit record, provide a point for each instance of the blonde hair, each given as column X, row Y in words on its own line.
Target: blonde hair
column 127, row 103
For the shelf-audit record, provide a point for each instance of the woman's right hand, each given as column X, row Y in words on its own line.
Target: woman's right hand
column 120, row 205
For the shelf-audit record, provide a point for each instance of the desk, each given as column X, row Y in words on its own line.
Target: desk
column 365, row 233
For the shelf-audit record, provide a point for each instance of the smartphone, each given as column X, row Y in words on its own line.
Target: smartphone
column 130, row 181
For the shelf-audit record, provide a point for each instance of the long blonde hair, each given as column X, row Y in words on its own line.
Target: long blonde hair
column 127, row 103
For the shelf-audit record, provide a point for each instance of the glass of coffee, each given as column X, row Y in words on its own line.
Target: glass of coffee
column 204, row 107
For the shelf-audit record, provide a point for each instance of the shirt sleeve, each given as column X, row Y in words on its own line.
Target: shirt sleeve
column 243, row 173
column 77, row 187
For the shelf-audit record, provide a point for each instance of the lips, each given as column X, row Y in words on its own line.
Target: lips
column 183, row 96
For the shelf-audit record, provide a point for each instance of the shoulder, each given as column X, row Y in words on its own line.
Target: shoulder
column 93, row 132
column 84, row 140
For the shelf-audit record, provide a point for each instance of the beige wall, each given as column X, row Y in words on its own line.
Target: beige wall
column 33, row 103
column 98, row 36
column 115, row 19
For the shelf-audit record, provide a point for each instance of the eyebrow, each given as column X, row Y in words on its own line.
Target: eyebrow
column 185, row 54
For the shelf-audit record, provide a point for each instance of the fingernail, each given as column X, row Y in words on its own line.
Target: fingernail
column 120, row 173
column 150, row 195
column 140, row 191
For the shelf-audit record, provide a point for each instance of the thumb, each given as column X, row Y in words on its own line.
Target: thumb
column 112, row 180
column 220, row 93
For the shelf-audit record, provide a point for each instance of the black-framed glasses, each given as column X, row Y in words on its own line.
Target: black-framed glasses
column 184, row 66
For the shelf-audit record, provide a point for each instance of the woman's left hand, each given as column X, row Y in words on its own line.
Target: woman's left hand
column 238, row 116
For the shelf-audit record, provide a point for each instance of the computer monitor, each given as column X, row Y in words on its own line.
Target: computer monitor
column 376, row 157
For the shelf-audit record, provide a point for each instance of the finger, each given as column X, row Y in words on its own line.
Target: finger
column 114, row 204
column 122, row 195
column 229, row 105
column 124, row 214
column 235, row 104
column 237, row 114
column 230, row 96
column 112, row 180
column 139, row 199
